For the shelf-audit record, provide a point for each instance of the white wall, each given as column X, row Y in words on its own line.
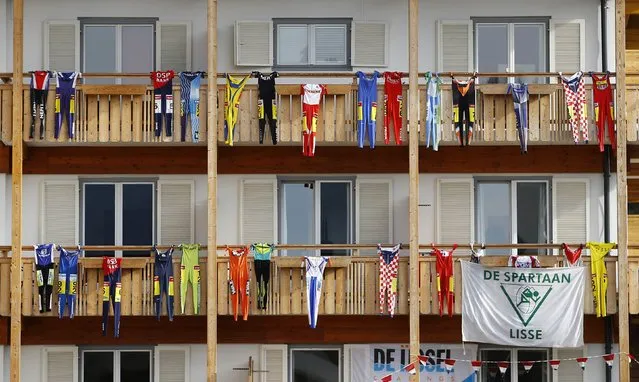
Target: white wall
column 393, row 12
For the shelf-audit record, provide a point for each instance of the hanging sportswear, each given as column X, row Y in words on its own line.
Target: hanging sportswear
column 573, row 258
column 267, row 104
column 520, row 101
column 262, row 264
column 38, row 92
column 233, row 93
column 433, row 110
column 367, row 108
column 67, row 280
column 393, row 105
column 190, row 103
column 604, row 103
column 163, row 281
column 599, row 275
column 311, row 98
column 65, row 101
column 239, row 280
column 163, row 95
column 445, row 279
column 190, row 273
column 575, row 93
column 44, row 274
column 464, row 109
column 516, row 261
column 314, row 277
column 111, row 292
column 475, row 256
column 388, row 265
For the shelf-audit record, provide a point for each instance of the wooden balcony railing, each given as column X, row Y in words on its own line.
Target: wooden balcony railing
column 350, row 286
column 124, row 114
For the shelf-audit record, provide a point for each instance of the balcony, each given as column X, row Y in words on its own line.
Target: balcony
column 124, row 115
column 350, row 286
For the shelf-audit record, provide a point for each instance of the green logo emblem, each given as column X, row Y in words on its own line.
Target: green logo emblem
column 526, row 299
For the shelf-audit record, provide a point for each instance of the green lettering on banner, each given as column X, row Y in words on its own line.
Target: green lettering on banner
column 565, row 278
column 546, row 279
column 526, row 299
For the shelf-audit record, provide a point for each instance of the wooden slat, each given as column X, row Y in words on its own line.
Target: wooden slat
column 285, row 124
column 340, row 290
column 126, row 292
column 611, row 292
column 5, row 120
column 447, row 115
column 92, row 118
column 222, row 289
column 297, row 300
column 285, row 291
column 137, row 118
column 544, row 116
column 50, row 117
column 340, row 118
column 632, row 114
column 403, row 288
column 27, row 289
column 371, row 286
column 5, row 277
column 136, row 292
column 114, row 119
column 533, row 118
column 26, row 112
column 113, row 89
column 488, row 117
column 203, row 117
column 500, row 117
column 93, row 291
column 633, row 284
column 424, row 287
column 243, row 126
column 511, row 121
column 329, row 119
column 296, row 120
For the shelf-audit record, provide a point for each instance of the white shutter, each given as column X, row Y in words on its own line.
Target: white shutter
column 357, row 362
column 570, row 199
column 374, row 205
column 253, row 43
column 274, row 360
column 62, row 45
column 171, row 364
column 59, row 208
column 173, row 46
column 455, row 46
column 60, row 364
column 569, row 370
column 176, row 212
column 257, row 211
column 567, row 45
column 369, row 44
column 455, row 211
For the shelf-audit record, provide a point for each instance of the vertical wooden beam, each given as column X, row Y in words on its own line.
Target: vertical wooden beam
column 622, row 189
column 413, row 173
column 211, row 265
column 16, row 183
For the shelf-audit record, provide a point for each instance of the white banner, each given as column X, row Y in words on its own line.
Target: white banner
column 372, row 362
column 535, row 307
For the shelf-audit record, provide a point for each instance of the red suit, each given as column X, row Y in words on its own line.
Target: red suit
column 445, row 279
column 392, row 105
column 604, row 108
column 239, row 283
column 311, row 99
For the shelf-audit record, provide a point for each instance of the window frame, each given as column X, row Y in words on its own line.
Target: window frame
column 338, row 348
column 116, row 359
column 119, row 204
column 514, row 359
column 512, row 183
column 310, row 22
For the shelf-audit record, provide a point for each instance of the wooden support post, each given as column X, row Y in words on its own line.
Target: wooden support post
column 622, row 189
column 413, row 173
column 16, row 201
column 211, row 265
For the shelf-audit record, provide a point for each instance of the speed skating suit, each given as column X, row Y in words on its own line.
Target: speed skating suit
column 573, row 258
column 464, row 109
column 388, row 265
column 520, row 103
column 262, row 264
column 367, row 108
column 190, row 104
column 311, row 98
column 267, row 104
column 38, row 91
column 314, row 277
column 67, row 280
column 163, row 282
column 190, row 273
column 433, row 110
column 599, row 275
column 111, row 292
column 232, row 96
column 65, row 102
column 445, row 279
column 516, row 261
column 575, row 94
column 163, row 95
column 44, row 274
column 393, row 105
column 239, row 280
column 604, row 102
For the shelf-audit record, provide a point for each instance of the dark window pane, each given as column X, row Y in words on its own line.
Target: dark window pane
column 99, row 217
column 298, row 213
column 490, row 371
column 335, row 216
column 98, row 366
column 539, row 371
column 494, row 220
column 135, row 366
column 532, row 219
column 315, row 366
column 137, row 217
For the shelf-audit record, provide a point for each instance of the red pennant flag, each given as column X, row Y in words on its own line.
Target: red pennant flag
column 528, row 365
column 411, row 368
column 609, row 358
column 388, row 378
column 554, row 363
column 503, row 366
column 450, row 364
column 476, row 365
column 582, row 362
column 631, row 358
column 423, row 359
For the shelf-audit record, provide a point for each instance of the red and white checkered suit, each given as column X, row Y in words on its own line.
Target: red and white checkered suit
column 388, row 264
column 575, row 93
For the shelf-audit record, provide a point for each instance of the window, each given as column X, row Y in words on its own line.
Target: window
column 312, row 43
column 540, row 372
column 115, row 45
column 511, row 45
column 116, row 366
column 316, row 365
column 513, row 211
column 316, row 212
column 118, row 213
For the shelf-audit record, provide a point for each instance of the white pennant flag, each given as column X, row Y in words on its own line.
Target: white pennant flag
column 423, row 359
column 411, row 368
column 528, row 365
column 554, row 364
column 450, row 364
column 503, row 366
column 609, row 358
column 582, row 362
column 476, row 365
